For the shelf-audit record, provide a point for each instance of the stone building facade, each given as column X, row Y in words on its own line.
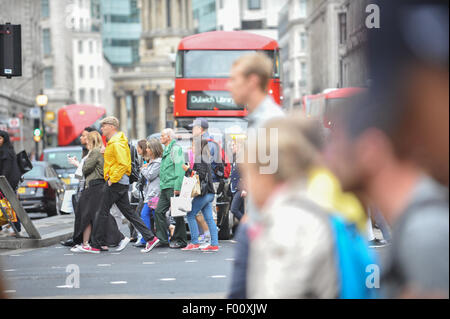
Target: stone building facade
column 18, row 94
column 352, row 48
column 142, row 92
column 322, row 25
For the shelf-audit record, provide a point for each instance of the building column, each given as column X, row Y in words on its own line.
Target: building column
column 183, row 15
column 153, row 15
column 163, row 14
column 140, row 114
column 162, row 108
column 190, row 15
column 123, row 111
column 175, row 14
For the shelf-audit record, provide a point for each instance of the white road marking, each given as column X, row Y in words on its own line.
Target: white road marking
column 148, row 263
column 58, row 267
column 229, row 259
column 58, row 247
column 168, row 279
column 218, row 276
column 118, row 282
column 16, row 255
column 233, row 241
column 103, row 265
column 191, row 261
column 9, row 270
column 68, row 254
column 65, row 286
column 115, row 253
column 9, row 291
column 162, row 252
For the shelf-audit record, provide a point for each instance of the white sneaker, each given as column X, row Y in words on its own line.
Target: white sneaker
column 76, row 249
column 123, row 243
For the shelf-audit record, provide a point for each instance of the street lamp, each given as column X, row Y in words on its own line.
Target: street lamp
column 42, row 101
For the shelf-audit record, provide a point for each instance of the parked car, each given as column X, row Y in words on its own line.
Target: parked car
column 41, row 190
column 58, row 158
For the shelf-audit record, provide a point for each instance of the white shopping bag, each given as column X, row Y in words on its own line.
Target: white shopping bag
column 180, row 206
column 67, row 206
column 187, row 186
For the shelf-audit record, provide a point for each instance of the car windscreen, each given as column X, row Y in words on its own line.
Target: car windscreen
column 37, row 172
column 58, row 160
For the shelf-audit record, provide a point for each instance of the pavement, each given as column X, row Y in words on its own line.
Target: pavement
column 52, row 230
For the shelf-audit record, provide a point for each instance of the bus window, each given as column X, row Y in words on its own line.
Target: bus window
column 179, row 65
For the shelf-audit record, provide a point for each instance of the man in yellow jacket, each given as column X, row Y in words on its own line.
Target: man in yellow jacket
column 117, row 169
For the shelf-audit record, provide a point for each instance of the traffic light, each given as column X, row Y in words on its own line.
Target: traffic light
column 10, row 50
column 37, row 132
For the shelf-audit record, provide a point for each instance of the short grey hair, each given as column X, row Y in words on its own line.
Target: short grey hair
column 169, row 132
column 111, row 120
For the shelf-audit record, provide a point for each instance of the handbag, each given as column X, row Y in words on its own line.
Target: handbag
column 204, row 185
column 196, row 191
column 7, row 214
column 180, row 206
column 23, row 162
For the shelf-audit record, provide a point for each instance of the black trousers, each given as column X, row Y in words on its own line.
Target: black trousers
column 118, row 194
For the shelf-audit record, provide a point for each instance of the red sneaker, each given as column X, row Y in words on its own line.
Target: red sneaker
column 89, row 249
column 210, row 248
column 191, row 247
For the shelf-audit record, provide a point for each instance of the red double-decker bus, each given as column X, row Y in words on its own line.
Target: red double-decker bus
column 322, row 106
column 72, row 119
column 203, row 68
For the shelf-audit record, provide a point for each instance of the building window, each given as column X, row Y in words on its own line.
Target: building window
column 252, row 25
column 91, row 48
column 47, row 41
column 303, row 41
column 82, row 95
column 92, row 96
column 48, row 78
column 80, row 46
column 303, row 9
column 45, row 8
column 99, row 72
column 220, row 4
column 91, row 72
column 81, row 71
column 99, row 96
column 303, row 73
column 342, row 28
column 254, row 4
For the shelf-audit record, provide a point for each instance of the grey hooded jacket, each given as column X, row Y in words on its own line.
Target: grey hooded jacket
column 151, row 173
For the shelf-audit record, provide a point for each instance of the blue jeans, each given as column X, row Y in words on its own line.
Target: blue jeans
column 204, row 204
column 237, row 205
column 145, row 215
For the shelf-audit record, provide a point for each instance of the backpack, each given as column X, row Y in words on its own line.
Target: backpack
column 353, row 256
column 134, row 176
column 223, row 169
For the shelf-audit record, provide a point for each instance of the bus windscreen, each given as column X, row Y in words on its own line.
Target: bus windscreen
column 205, row 64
